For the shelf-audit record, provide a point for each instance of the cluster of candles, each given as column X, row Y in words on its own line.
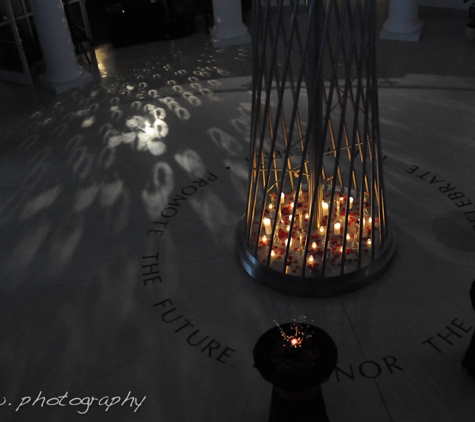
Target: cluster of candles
column 276, row 229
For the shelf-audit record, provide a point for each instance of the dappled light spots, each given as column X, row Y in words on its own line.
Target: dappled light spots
column 157, row 192
column 191, row 161
column 222, row 72
column 241, row 126
column 225, row 141
column 160, row 129
column 180, row 112
column 81, row 113
column 107, row 157
column 38, row 165
column 192, row 99
column 27, row 248
column 74, row 142
column 65, row 242
column 136, row 122
column 215, row 215
column 158, row 112
column 202, row 73
column 138, row 128
column 116, row 113
column 183, row 113
column 59, row 129
column 81, row 162
column 104, row 171
column 113, row 138
column 245, row 109
column 110, row 192
column 93, row 107
column 209, row 94
column 157, row 148
column 30, row 141
column 88, row 122
column 40, row 202
column 143, row 140
column 85, row 197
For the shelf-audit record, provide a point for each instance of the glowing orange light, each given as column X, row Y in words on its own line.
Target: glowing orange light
column 294, row 341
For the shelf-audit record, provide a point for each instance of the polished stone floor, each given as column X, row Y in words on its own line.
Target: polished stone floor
column 109, row 292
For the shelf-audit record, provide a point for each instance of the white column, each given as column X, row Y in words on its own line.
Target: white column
column 228, row 26
column 62, row 69
column 403, row 22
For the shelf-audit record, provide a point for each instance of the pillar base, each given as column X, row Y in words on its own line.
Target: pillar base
column 414, row 35
column 59, row 88
column 224, row 42
column 317, row 285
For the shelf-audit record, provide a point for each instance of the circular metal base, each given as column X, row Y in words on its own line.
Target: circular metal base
column 316, row 286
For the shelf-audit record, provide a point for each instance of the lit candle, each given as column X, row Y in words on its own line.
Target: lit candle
column 351, row 202
column 302, row 239
column 368, row 243
column 267, row 225
column 307, row 216
column 367, row 222
column 337, row 228
column 348, row 237
column 310, row 259
column 314, row 245
column 325, row 208
column 282, row 197
column 272, row 254
column 264, row 238
column 321, row 230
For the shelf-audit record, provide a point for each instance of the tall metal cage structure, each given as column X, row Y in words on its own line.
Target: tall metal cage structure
column 316, row 222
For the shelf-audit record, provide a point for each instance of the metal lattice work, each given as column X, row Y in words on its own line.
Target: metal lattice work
column 316, row 221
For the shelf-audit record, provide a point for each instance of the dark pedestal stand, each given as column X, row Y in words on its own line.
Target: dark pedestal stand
column 469, row 358
column 296, row 359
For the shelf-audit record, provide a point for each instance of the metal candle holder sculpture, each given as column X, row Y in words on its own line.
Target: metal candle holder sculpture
column 316, row 222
